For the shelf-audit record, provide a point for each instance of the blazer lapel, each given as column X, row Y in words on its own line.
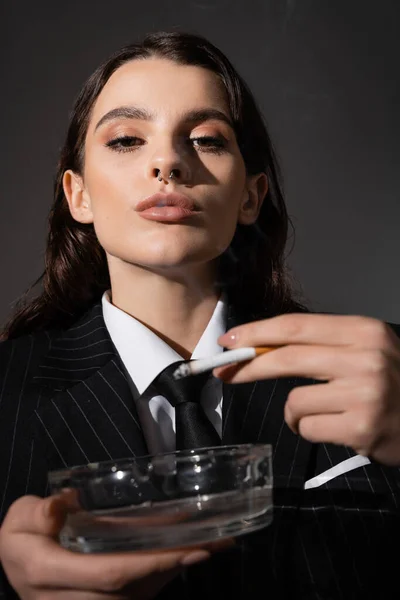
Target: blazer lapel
column 86, row 411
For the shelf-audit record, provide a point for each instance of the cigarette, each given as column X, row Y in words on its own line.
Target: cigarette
column 200, row 365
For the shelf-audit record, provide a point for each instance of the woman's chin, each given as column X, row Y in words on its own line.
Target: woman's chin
column 165, row 258
column 177, row 265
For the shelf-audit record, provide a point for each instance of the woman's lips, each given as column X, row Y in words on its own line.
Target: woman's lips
column 168, row 208
column 168, row 214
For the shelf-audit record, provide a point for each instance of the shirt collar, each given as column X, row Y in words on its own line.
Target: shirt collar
column 143, row 353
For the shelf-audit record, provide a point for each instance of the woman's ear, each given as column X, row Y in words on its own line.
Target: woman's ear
column 256, row 189
column 77, row 197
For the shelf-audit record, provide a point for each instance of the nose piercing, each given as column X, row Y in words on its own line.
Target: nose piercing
column 160, row 177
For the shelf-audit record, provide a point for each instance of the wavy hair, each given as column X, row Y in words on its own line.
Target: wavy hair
column 251, row 271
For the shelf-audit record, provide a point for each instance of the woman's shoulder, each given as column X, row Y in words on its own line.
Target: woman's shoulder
column 19, row 355
column 42, row 337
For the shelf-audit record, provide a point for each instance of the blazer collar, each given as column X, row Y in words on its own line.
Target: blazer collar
column 76, row 353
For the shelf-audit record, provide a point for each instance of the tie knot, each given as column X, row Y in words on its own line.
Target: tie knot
column 193, row 428
column 179, row 391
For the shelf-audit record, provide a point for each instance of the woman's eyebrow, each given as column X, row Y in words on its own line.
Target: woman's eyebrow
column 125, row 112
column 207, row 114
column 193, row 116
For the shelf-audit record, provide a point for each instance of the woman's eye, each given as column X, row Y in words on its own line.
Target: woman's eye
column 128, row 143
column 125, row 143
column 209, row 143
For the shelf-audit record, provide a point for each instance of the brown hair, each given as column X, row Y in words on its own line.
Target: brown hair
column 251, row 271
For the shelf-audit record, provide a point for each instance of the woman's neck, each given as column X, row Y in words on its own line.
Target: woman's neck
column 177, row 308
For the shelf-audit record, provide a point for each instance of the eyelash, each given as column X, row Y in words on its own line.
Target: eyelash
column 217, row 144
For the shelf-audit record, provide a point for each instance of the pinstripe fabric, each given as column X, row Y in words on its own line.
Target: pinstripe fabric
column 64, row 400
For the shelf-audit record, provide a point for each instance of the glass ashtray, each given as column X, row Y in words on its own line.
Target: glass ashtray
column 166, row 500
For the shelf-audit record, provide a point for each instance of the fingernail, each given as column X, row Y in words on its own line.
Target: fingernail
column 229, row 338
column 195, row 557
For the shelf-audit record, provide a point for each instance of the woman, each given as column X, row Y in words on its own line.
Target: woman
column 167, row 229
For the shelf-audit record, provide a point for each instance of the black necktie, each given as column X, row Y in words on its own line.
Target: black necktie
column 193, row 428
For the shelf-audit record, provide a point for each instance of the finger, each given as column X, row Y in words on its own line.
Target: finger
column 324, row 398
column 50, row 565
column 315, row 362
column 147, row 587
column 31, row 519
column 345, row 429
column 31, row 514
column 111, row 572
column 363, row 395
column 76, row 594
column 217, row 546
column 296, row 328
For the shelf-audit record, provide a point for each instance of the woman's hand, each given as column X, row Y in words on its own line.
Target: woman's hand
column 39, row 568
column 358, row 360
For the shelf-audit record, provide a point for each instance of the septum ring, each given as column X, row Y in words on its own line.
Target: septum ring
column 170, row 176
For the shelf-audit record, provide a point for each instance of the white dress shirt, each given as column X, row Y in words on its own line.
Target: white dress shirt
column 145, row 355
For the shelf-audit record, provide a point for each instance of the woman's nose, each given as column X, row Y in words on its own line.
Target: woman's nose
column 164, row 176
column 168, row 164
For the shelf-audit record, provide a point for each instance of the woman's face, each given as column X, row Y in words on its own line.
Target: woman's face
column 154, row 116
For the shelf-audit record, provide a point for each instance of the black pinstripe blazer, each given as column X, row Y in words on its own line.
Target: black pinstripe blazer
column 64, row 400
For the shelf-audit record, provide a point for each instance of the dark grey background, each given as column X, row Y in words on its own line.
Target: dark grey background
column 326, row 74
